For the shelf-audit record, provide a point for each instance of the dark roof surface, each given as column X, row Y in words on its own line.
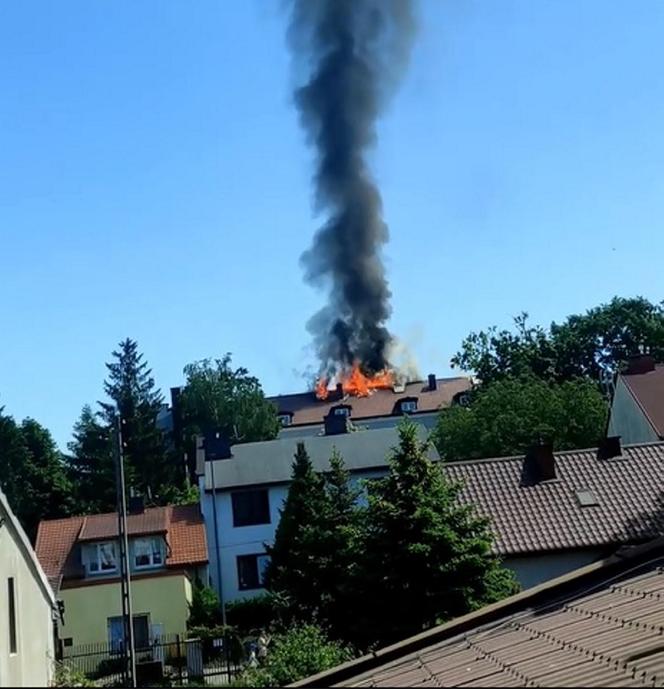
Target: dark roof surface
column 182, row 525
column 306, row 409
column 648, row 391
column 271, row 461
column 627, row 499
column 598, row 627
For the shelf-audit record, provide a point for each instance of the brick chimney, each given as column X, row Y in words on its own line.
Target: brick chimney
column 640, row 363
column 433, row 383
column 609, row 447
column 540, row 464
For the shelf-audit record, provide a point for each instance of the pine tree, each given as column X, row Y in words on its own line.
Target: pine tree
column 132, row 389
column 91, row 465
column 294, row 569
column 427, row 556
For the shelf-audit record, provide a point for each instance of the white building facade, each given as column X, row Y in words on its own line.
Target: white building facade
column 27, row 605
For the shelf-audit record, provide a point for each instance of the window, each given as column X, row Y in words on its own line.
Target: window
column 342, row 411
column 250, row 507
column 285, row 419
column 586, row 498
column 147, row 553
column 251, row 571
column 141, row 632
column 408, row 406
column 101, row 558
column 13, row 645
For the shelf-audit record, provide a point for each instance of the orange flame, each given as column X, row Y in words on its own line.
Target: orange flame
column 356, row 383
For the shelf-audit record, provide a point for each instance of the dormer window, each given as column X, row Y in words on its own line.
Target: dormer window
column 285, row 418
column 101, row 558
column 341, row 410
column 147, row 553
column 408, row 406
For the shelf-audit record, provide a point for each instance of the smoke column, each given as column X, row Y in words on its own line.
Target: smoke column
column 352, row 52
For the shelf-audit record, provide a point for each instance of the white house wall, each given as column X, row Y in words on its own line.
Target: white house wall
column 32, row 664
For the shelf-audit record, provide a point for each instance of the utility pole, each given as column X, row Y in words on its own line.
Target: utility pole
column 128, row 649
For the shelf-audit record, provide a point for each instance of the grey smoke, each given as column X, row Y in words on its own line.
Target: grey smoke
column 353, row 52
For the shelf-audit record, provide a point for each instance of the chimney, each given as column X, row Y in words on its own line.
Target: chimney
column 337, row 420
column 609, row 447
column 433, row 383
column 540, row 464
column 136, row 504
column 640, row 363
column 340, row 391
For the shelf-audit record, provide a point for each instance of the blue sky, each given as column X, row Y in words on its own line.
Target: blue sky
column 154, row 183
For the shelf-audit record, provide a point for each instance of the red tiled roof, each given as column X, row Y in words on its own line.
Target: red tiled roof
column 648, row 391
column 548, row 515
column 306, row 409
column 600, row 626
column 182, row 525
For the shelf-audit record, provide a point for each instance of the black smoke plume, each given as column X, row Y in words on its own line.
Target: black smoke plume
column 353, row 52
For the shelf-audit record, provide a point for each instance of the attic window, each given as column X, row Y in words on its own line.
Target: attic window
column 285, row 419
column 408, row 406
column 586, row 498
column 342, row 411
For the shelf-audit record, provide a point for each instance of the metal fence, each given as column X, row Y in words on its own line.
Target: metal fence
column 171, row 659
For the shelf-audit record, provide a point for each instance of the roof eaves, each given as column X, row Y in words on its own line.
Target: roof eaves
column 561, row 585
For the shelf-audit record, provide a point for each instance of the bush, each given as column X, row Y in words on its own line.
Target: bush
column 293, row 655
column 66, row 676
column 204, row 609
column 251, row 615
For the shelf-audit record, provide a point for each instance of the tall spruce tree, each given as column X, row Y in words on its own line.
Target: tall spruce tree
column 427, row 556
column 90, row 464
column 295, row 558
column 132, row 389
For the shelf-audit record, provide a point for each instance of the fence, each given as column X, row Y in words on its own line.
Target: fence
column 171, row 659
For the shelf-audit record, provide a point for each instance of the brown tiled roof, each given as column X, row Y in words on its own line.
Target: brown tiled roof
column 182, row 525
column 648, row 391
column 306, row 409
column 600, row 626
column 549, row 516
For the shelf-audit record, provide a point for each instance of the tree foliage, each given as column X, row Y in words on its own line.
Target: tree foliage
column 507, row 416
column 217, row 397
column 33, row 473
column 584, row 345
column 427, row 556
column 132, row 391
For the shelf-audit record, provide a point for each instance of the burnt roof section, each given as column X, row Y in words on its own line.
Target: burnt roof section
column 532, row 517
column 647, row 388
column 600, row 626
column 307, row 409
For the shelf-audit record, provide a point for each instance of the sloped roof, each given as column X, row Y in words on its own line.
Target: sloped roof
column 271, row 461
column 600, row 626
column 182, row 525
column 647, row 388
column 526, row 518
column 307, row 409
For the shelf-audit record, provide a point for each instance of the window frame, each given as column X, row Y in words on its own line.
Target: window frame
column 154, row 542
column 116, row 645
column 240, row 520
column 408, row 406
column 93, row 557
column 260, row 561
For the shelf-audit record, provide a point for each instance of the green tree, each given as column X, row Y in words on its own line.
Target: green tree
column 132, row 389
column 217, row 397
column 204, row 609
column 90, row 465
column 297, row 653
column 507, row 416
column 584, row 345
column 33, row 477
column 427, row 555
column 298, row 553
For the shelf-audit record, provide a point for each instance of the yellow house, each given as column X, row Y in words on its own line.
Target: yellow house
column 167, row 551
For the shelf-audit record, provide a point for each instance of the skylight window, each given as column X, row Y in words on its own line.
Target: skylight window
column 586, row 498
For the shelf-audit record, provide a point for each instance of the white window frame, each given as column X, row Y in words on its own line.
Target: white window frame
column 408, row 406
column 342, row 411
column 285, row 419
column 94, row 557
column 154, row 549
